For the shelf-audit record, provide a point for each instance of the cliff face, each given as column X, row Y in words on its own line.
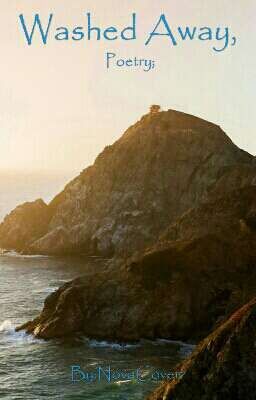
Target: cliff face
column 162, row 166
column 221, row 214
column 223, row 365
column 177, row 289
column 26, row 223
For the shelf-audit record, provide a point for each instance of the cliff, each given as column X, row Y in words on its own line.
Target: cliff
column 177, row 289
column 161, row 167
column 222, row 366
column 26, row 223
column 175, row 201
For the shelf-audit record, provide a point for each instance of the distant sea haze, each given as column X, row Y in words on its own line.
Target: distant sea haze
column 17, row 188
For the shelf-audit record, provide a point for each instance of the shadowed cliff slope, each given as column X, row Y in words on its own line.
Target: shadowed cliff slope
column 176, row 289
column 223, row 366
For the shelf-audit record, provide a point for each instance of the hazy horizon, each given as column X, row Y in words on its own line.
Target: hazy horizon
column 60, row 106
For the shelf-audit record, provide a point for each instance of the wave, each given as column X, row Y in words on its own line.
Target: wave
column 47, row 290
column 123, row 382
column 177, row 342
column 185, row 348
column 114, row 346
column 7, row 329
column 12, row 253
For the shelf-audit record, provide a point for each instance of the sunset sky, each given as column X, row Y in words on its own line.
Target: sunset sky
column 60, row 106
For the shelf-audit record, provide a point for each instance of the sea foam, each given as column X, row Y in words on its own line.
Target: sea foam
column 185, row 348
column 14, row 254
column 7, row 329
column 114, row 346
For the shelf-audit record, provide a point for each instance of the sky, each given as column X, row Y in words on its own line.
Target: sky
column 60, row 105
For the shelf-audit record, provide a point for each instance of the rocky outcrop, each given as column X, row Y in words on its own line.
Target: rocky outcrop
column 223, row 366
column 233, row 178
column 162, row 166
column 222, row 215
column 177, row 289
column 26, row 223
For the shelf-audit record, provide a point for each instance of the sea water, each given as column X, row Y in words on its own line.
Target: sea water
column 37, row 369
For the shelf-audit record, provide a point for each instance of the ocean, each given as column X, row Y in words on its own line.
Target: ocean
column 79, row 368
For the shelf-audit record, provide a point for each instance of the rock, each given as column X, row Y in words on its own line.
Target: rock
column 161, row 167
column 223, row 366
column 53, row 243
column 233, row 178
column 218, row 215
column 26, row 223
column 175, row 290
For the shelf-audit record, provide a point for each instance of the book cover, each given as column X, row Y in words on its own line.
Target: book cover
column 127, row 200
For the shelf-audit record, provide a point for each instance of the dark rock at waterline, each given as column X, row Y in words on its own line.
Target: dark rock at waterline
column 223, row 366
column 162, row 166
column 177, row 289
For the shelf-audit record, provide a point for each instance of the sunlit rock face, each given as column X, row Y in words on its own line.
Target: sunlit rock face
column 161, row 167
column 26, row 223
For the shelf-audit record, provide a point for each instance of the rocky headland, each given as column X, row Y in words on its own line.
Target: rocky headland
column 162, row 166
column 28, row 220
column 173, row 204
column 180, row 288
